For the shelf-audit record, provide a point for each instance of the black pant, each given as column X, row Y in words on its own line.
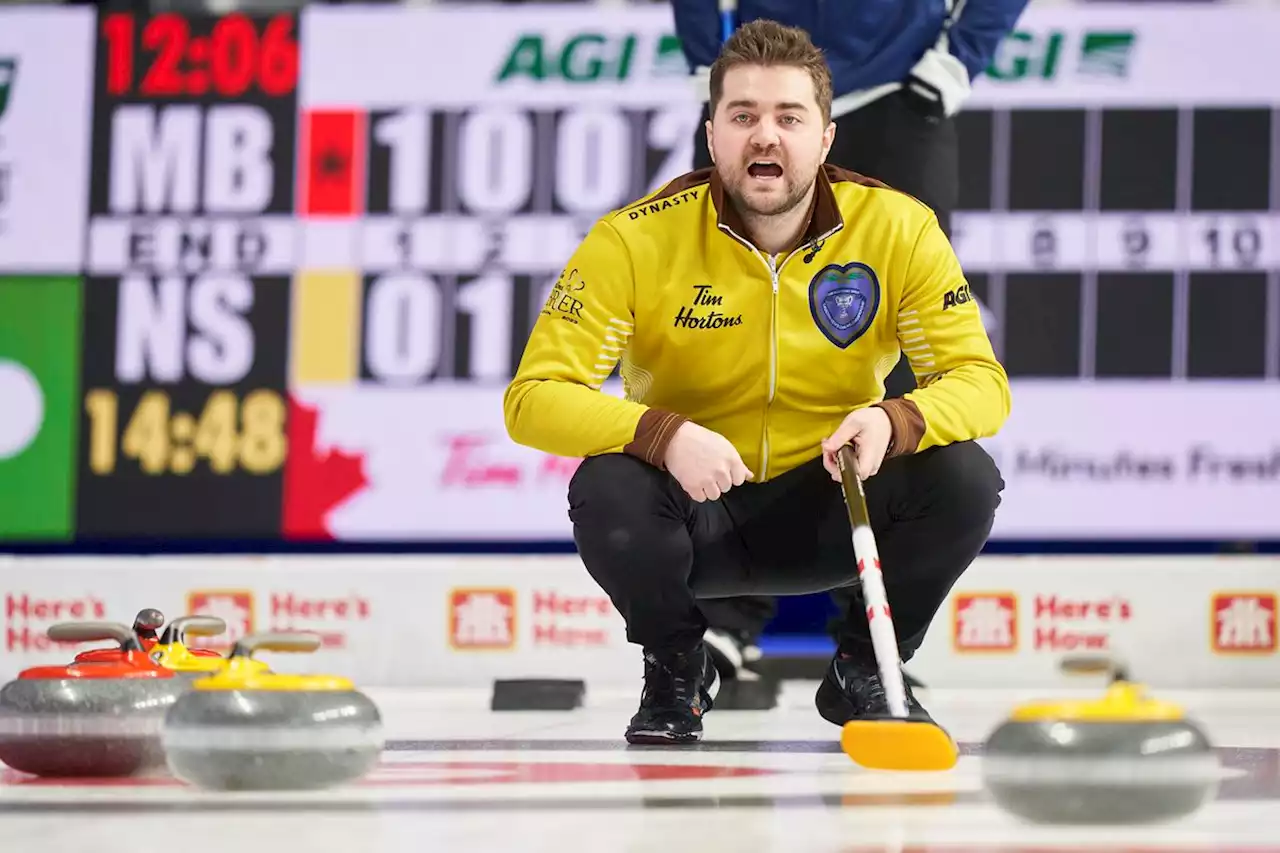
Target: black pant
column 890, row 141
column 655, row 551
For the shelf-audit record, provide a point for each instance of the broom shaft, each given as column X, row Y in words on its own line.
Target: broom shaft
column 879, row 619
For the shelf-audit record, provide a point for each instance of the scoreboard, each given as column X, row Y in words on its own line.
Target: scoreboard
column 269, row 274
column 459, row 220
column 190, row 254
column 1149, row 248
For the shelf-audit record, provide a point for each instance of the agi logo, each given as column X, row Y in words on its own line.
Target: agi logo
column 482, row 619
column 1243, row 623
column 985, row 622
column 962, row 295
column 233, row 606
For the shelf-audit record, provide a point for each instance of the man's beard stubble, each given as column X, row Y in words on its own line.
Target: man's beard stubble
column 794, row 195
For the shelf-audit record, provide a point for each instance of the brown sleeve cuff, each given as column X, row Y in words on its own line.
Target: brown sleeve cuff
column 653, row 434
column 907, row 424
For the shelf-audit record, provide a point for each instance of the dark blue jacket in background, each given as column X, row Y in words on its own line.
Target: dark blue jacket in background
column 867, row 43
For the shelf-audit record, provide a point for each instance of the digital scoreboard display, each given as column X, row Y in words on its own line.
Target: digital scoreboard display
column 1126, row 243
column 186, row 301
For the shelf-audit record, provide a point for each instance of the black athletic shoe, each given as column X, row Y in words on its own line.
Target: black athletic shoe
column 852, row 690
column 678, row 690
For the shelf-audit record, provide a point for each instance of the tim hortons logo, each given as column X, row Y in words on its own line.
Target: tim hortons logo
column 233, row 606
column 482, row 619
column 1243, row 623
column 985, row 622
column 706, row 312
column 476, row 461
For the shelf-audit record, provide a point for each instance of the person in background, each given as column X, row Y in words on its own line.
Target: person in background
column 901, row 70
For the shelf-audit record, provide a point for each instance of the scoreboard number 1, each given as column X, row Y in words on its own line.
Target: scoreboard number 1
column 1240, row 246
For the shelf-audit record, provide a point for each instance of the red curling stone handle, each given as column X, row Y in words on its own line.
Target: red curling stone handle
column 87, row 632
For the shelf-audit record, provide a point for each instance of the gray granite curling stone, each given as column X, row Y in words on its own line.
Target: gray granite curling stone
column 247, row 729
column 1100, row 768
column 88, row 718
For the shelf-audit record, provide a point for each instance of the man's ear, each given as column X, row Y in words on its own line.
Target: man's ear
column 828, row 139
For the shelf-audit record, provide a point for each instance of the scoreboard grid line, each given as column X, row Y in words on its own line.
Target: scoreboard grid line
column 1184, row 182
column 1272, row 369
column 1202, row 257
column 997, row 283
column 1089, row 283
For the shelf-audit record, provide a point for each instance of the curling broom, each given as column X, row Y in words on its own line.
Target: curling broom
column 899, row 743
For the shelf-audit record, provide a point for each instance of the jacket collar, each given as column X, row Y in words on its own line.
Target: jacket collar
column 824, row 212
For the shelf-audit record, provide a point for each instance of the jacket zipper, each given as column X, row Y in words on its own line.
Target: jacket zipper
column 773, row 370
column 774, row 272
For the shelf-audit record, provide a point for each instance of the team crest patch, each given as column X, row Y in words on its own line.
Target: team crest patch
column 843, row 301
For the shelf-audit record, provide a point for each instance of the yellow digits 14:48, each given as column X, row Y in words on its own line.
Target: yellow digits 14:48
column 230, row 433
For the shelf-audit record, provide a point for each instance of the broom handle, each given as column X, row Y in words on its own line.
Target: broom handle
column 883, row 638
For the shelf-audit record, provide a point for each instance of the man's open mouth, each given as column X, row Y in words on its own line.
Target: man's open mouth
column 764, row 169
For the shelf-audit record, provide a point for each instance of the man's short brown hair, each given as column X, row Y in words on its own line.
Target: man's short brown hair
column 768, row 43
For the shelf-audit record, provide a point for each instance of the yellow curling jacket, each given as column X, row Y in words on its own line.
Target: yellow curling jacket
column 771, row 353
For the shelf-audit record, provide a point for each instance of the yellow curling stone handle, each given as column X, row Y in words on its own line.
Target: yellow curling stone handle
column 241, row 672
column 172, row 652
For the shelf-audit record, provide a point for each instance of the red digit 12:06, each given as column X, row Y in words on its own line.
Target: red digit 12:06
column 166, row 60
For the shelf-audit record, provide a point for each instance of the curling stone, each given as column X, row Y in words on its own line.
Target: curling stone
column 1121, row 759
column 95, row 718
column 243, row 729
column 145, row 626
column 172, row 652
